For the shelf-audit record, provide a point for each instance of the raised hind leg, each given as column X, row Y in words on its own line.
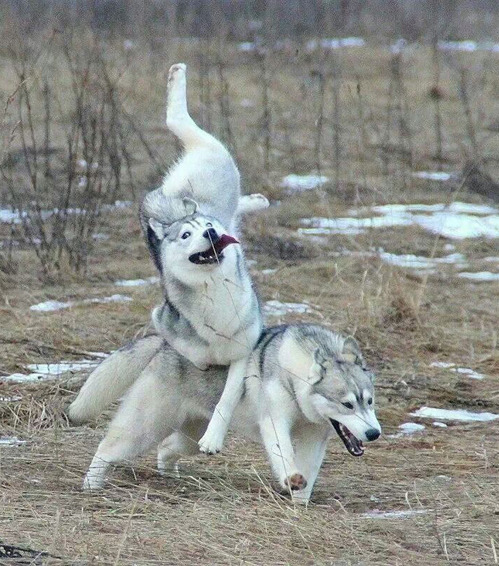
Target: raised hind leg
column 178, row 119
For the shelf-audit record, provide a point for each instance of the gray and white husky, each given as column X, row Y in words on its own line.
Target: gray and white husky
column 303, row 383
column 210, row 314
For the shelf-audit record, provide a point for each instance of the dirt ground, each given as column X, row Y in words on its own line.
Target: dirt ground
column 424, row 498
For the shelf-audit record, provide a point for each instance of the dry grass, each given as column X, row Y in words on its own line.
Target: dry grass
column 223, row 510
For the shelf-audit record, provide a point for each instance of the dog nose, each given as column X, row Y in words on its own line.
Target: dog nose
column 211, row 234
column 372, row 434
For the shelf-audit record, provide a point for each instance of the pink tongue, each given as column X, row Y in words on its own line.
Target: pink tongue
column 225, row 241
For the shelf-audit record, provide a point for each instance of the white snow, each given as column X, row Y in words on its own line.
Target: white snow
column 411, row 428
column 276, row 308
column 49, row 306
column 10, row 399
column 136, row 282
column 42, row 372
column 407, row 429
column 479, row 276
column 458, row 220
column 268, row 271
column 420, row 262
column 438, row 424
column 246, row 46
column 11, row 441
column 335, row 43
column 402, row 514
column 468, row 372
column 454, row 415
column 298, row 183
column 468, row 45
column 433, row 175
column 12, row 216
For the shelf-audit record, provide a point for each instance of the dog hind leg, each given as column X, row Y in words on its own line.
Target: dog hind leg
column 178, row 119
column 145, row 417
column 183, row 442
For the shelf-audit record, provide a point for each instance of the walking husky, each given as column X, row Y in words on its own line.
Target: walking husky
column 210, row 314
column 303, row 383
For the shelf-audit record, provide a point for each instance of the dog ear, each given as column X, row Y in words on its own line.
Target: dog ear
column 191, row 206
column 318, row 367
column 157, row 227
column 351, row 351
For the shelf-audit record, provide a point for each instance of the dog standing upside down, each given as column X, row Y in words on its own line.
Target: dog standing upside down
column 210, row 314
column 303, row 383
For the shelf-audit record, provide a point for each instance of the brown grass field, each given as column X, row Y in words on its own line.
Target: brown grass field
column 365, row 118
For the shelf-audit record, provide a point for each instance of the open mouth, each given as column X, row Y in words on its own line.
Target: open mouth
column 352, row 444
column 214, row 254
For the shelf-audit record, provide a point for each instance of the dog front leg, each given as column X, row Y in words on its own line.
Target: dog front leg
column 311, row 442
column 276, row 435
column 213, row 438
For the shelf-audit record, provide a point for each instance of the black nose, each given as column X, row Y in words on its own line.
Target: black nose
column 211, row 234
column 372, row 434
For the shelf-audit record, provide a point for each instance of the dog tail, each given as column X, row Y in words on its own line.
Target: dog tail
column 111, row 378
column 178, row 119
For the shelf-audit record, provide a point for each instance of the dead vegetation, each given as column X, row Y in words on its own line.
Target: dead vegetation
column 366, row 118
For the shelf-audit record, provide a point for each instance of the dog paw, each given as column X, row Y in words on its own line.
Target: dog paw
column 259, row 201
column 92, row 484
column 295, row 482
column 210, row 443
column 174, row 71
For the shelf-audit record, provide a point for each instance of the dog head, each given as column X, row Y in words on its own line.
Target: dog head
column 342, row 392
column 189, row 243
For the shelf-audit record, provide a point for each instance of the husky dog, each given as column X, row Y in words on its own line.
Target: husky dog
column 211, row 314
column 303, row 383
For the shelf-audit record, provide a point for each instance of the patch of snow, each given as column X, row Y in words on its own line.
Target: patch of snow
column 454, row 415
column 268, row 271
column 479, row 276
column 399, row 45
column 438, row 424
column 402, row 514
column 11, row 441
column 12, row 216
column 246, row 46
column 335, row 43
column 455, row 221
column 452, row 367
column 492, row 259
column 247, row 103
column 100, row 237
column 351, row 226
column 420, row 262
column 433, row 175
column 407, row 429
column 298, row 183
column 276, row 308
column 59, row 368
column 43, row 372
column 468, row 46
column 50, row 306
column 10, row 399
column 136, row 282
column 411, row 428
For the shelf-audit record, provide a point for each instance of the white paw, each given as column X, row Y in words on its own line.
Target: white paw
column 211, row 443
column 258, row 200
column 91, row 484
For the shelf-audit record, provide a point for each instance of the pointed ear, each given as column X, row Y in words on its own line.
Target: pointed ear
column 190, row 205
column 157, row 227
column 317, row 368
column 351, row 351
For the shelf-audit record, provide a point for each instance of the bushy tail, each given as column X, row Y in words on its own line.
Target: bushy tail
column 111, row 379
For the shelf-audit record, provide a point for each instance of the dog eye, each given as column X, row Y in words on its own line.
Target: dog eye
column 209, row 225
column 185, row 235
column 370, row 402
column 348, row 405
